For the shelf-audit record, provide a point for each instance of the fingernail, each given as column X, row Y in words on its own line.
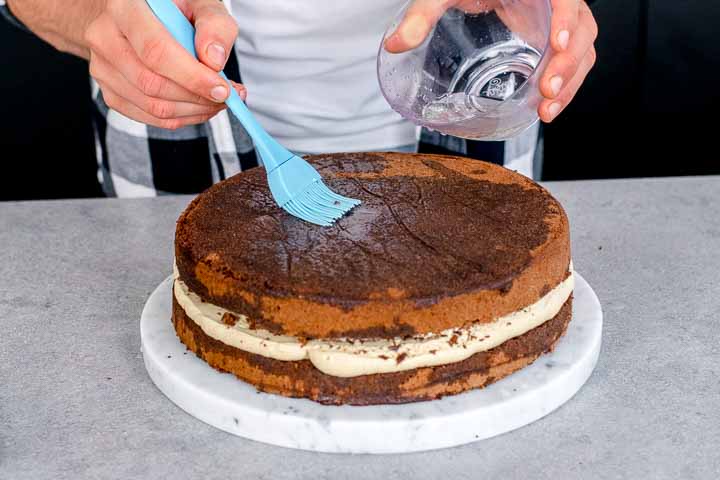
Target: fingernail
column 563, row 39
column 556, row 84
column 217, row 54
column 219, row 93
column 554, row 109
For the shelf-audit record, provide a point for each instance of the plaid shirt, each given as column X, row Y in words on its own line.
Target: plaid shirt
column 138, row 160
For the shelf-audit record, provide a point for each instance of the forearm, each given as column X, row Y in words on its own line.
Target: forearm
column 61, row 23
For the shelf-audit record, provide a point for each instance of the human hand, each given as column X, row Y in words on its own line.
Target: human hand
column 147, row 76
column 572, row 37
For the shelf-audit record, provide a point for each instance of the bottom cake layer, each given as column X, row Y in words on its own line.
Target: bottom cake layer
column 302, row 379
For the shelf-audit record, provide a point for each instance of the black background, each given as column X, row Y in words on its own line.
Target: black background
column 647, row 109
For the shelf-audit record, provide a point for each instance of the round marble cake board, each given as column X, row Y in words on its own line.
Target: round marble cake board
column 227, row 403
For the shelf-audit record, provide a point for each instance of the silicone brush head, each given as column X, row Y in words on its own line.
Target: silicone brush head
column 320, row 205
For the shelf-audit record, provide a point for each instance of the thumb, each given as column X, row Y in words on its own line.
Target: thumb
column 216, row 31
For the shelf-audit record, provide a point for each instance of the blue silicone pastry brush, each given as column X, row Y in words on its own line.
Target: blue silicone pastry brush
column 295, row 185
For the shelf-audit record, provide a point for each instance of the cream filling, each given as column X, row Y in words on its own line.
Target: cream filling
column 348, row 358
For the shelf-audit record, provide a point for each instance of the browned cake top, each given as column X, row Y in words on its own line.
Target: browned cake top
column 429, row 228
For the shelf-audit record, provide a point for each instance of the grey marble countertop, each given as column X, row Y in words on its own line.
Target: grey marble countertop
column 76, row 402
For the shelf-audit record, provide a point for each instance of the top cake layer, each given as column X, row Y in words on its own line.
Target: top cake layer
column 438, row 242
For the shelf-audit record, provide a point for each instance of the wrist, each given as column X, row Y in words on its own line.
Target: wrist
column 59, row 24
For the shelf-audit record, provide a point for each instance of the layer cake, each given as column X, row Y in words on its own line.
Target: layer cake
column 451, row 275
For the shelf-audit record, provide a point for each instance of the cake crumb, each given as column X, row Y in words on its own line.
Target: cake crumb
column 453, row 340
column 400, row 358
column 229, row 319
column 384, row 357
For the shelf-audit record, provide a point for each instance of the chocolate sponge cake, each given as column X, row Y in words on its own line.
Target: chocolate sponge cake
column 452, row 274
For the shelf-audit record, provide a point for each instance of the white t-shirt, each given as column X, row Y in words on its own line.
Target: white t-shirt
column 309, row 67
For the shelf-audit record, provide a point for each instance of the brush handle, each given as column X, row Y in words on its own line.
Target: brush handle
column 272, row 153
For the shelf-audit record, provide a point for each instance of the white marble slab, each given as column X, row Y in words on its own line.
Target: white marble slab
column 229, row 404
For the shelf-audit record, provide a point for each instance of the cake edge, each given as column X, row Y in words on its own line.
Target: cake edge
column 300, row 379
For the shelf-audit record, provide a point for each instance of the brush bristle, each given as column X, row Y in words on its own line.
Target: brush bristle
column 319, row 205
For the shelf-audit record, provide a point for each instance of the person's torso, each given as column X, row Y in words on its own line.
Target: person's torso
column 310, row 70
column 309, row 67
